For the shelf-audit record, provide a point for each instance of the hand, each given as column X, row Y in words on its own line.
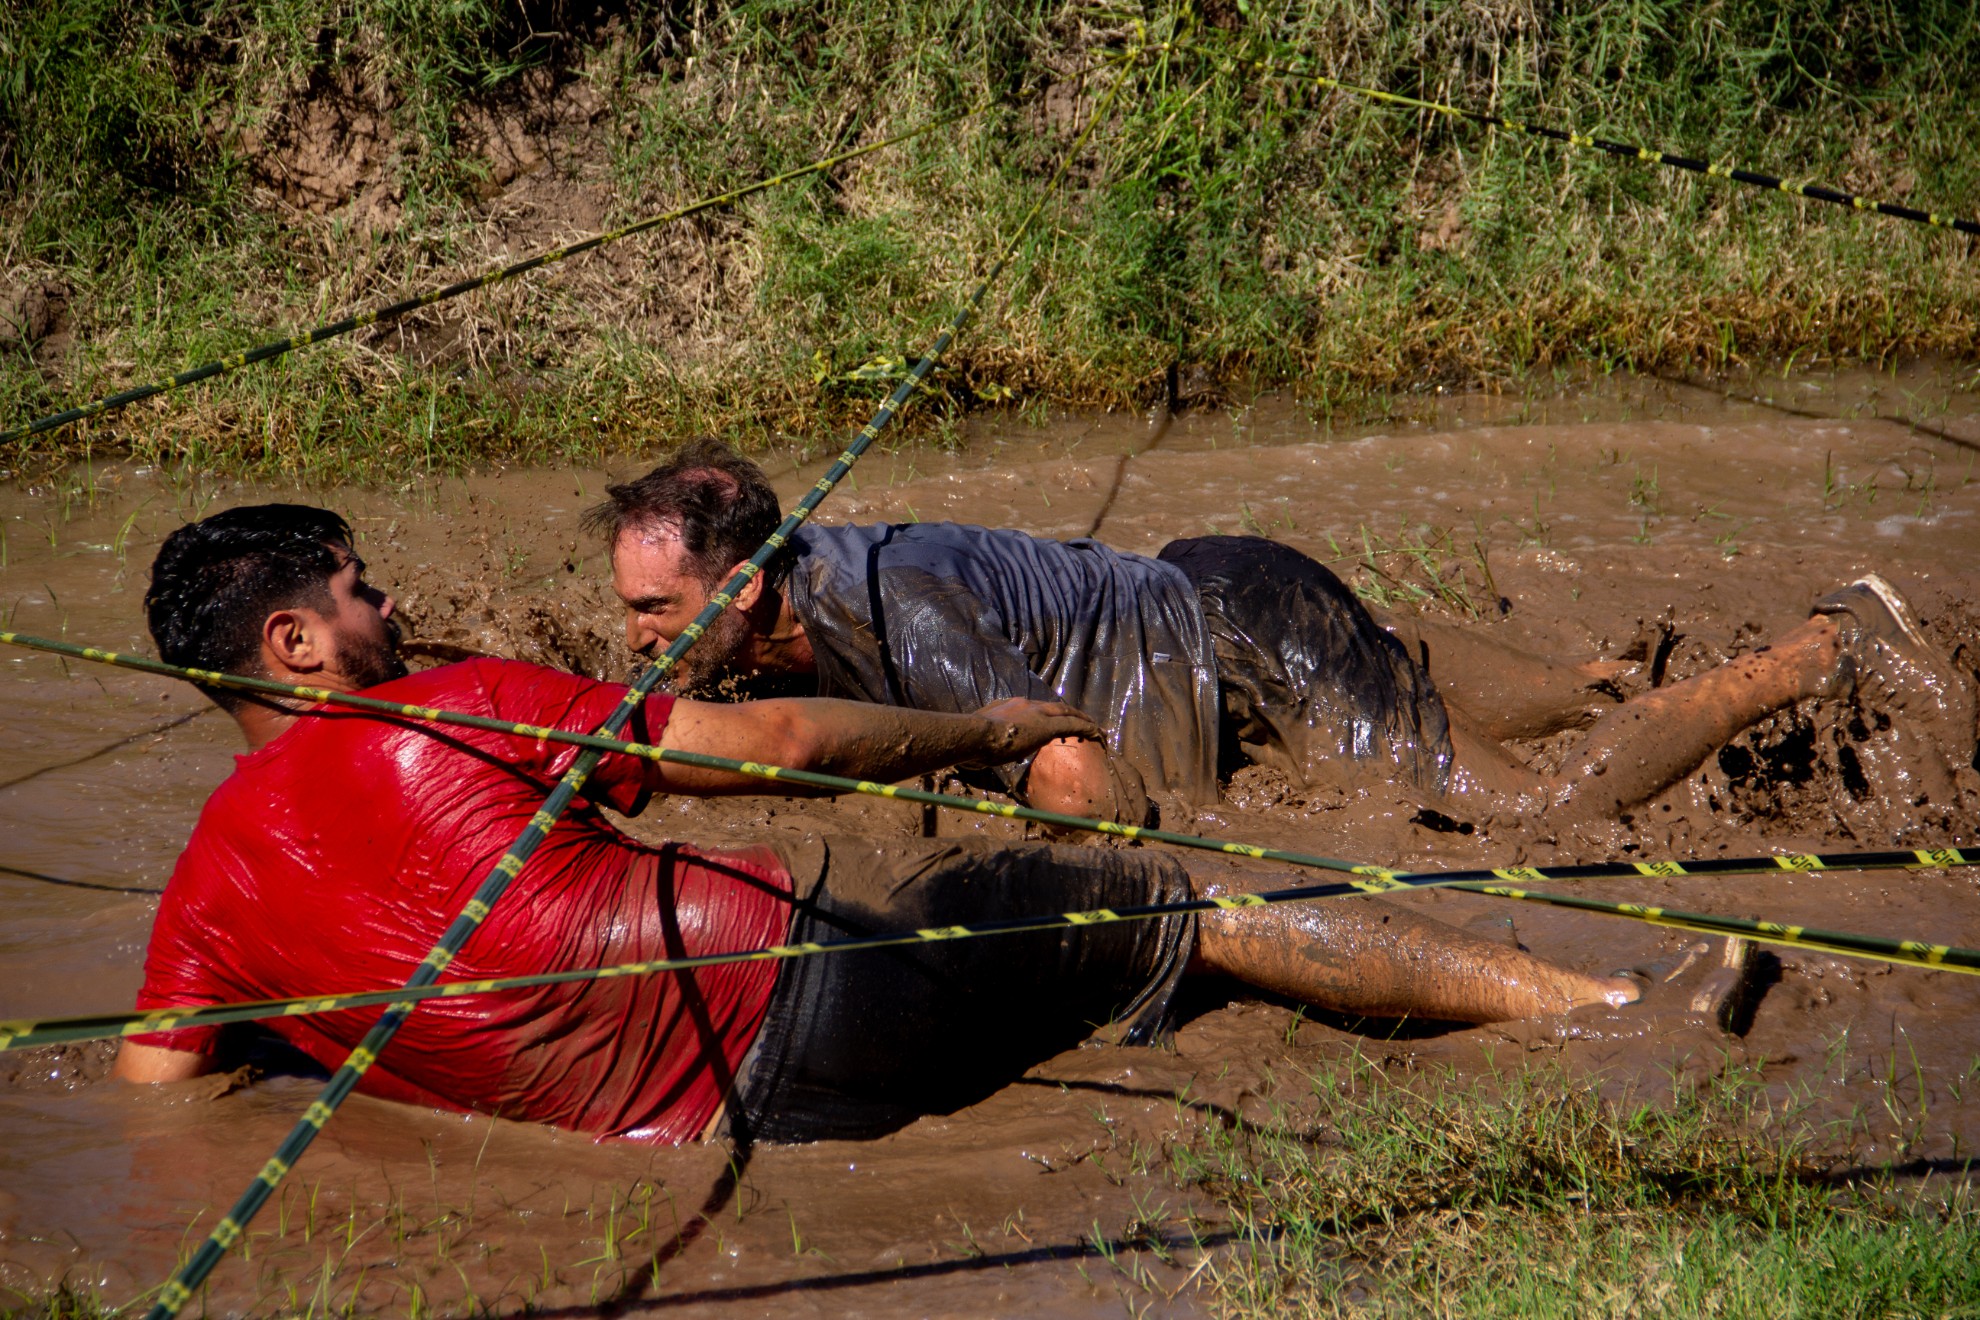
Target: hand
column 1020, row 726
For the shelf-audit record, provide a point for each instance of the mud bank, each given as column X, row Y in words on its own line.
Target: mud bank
column 1684, row 540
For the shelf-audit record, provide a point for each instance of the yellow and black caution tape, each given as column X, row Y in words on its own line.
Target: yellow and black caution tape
column 1367, row 879
column 1628, row 151
column 1911, row 953
column 597, row 743
column 174, row 1294
column 394, row 311
column 17, row 1035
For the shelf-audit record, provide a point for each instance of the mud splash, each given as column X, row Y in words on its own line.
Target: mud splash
column 1673, row 542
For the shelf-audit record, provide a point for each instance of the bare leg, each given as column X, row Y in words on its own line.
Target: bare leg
column 1364, row 956
column 1503, row 691
column 1654, row 740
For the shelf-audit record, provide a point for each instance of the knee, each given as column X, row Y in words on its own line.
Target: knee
column 1079, row 778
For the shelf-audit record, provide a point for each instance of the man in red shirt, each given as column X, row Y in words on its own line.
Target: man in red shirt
column 344, row 842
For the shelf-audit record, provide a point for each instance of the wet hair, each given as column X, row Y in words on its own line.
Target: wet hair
column 215, row 582
column 717, row 501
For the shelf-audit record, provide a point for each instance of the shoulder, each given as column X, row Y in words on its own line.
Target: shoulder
column 463, row 678
column 536, row 694
column 814, row 542
column 923, row 544
column 491, row 683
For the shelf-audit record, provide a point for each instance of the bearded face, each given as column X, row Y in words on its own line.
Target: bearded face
column 720, row 654
column 368, row 659
column 664, row 589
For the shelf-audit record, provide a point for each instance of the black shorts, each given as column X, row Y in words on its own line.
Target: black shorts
column 1310, row 684
column 856, row 1045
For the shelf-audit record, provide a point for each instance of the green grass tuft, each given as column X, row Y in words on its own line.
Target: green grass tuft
column 1528, row 1194
column 191, row 177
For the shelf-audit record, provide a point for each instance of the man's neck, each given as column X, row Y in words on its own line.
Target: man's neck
column 264, row 719
column 784, row 649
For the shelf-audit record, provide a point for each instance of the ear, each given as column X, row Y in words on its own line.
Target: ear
column 752, row 591
column 295, row 642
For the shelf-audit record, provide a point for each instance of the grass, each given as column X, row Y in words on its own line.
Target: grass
column 1367, row 1190
column 156, row 158
column 1419, row 568
column 1527, row 1194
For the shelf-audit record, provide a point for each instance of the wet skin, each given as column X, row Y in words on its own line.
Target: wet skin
column 662, row 594
column 354, row 645
column 1641, row 747
column 1360, row 957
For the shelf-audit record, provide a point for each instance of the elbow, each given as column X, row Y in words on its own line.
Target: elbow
column 798, row 742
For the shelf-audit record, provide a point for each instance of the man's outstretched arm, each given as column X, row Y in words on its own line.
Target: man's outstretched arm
column 851, row 738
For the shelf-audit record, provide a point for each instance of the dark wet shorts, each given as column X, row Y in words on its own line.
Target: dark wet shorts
column 1310, row 683
column 856, row 1045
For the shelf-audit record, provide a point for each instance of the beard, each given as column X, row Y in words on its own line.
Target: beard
column 369, row 661
column 717, row 656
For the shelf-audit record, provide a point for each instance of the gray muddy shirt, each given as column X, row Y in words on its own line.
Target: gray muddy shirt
column 948, row 617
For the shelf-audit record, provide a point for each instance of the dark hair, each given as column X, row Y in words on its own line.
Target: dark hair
column 719, row 502
column 215, row 582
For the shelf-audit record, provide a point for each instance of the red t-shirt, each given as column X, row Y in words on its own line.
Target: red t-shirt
column 332, row 859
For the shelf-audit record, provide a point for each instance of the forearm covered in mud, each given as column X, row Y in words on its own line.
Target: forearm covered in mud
column 848, row 738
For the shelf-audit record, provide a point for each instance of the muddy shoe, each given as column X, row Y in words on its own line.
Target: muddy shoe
column 1710, row 978
column 1886, row 661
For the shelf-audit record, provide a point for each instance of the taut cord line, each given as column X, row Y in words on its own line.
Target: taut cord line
column 1627, row 151
column 1862, row 860
column 393, row 311
column 176, row 1292
column 17, row 1035
column 1370, row 879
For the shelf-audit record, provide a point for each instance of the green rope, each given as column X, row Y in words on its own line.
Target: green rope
column 18, row 1035
column 177, row 1291
column 1628, row 151
column 393, row 311
column 980, row 806
column 1370, row 879
column 1912, row 953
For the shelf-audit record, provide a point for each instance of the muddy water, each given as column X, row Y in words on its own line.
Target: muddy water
column 1651, row 519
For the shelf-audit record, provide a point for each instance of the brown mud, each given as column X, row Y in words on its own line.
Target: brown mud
column 1656, row 524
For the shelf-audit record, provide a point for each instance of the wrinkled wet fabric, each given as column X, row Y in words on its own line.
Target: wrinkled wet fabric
column 861, row 1044
column 1310, row 684
column 333, row 858
column 948, row 617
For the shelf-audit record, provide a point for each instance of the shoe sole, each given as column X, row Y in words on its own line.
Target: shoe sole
column 1899, row 608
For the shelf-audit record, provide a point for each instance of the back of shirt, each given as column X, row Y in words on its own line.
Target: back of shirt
column 949, row 617
column 334, row 857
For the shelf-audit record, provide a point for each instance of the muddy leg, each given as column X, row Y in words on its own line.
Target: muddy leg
column 1506, row 692
column 1655, row 739
column 1364, row 956
column 1485, row 774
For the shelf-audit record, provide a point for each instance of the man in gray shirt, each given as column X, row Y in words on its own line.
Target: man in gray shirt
column 1219, row 651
